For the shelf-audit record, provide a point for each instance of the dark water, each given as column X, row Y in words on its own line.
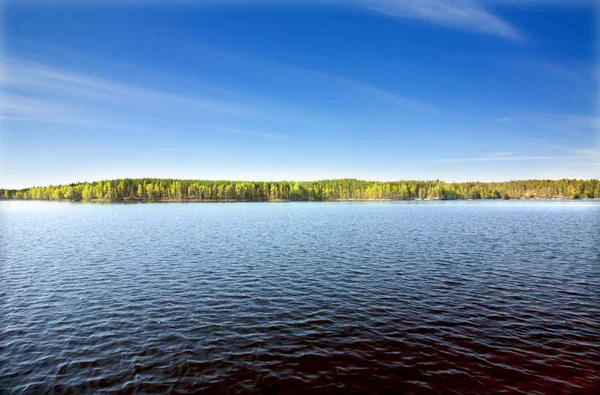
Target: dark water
column 331, row 297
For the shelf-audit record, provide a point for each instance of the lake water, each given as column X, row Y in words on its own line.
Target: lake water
column 285, row 297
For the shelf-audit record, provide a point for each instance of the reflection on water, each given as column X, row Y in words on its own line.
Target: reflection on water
column 472, row 297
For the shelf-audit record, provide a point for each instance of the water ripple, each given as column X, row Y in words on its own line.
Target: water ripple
column 268, row 298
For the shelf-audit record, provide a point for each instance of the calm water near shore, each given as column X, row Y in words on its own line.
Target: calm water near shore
column 475, row 297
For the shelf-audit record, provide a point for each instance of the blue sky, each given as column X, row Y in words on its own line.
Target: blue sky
column 298, row 90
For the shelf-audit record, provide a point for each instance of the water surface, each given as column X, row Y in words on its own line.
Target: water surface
column 475, row 297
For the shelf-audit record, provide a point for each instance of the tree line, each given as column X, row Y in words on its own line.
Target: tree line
column 157, row 189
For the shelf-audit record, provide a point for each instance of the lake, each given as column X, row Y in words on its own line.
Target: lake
column 474, row 297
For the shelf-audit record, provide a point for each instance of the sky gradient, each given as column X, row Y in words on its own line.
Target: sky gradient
column 455, row 90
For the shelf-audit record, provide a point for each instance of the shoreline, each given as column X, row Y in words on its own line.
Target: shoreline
column 175, row 190
column 146, row 201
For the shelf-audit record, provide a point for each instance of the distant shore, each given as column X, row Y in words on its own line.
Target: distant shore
column 144, row 201
column 345, row 190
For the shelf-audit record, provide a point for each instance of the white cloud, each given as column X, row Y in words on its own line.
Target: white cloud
column 464, row 14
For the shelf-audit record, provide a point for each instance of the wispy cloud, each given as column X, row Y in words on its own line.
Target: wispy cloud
column 20, row 107
column 465, row 14
column 580, row 155
column 42, row 89
column 73, row 100
column 584, row 164
column 507, row 158
column 501, row 154
column 591, row 153
column 247, row 132
column 527, row 3
column 21, row 74
column 15, row 107
column 474, row 15
column 364, row 89
column 570, row 121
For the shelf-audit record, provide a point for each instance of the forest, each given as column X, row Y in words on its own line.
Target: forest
column 156, row 189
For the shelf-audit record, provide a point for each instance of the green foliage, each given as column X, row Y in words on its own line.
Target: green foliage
column 155, row 189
